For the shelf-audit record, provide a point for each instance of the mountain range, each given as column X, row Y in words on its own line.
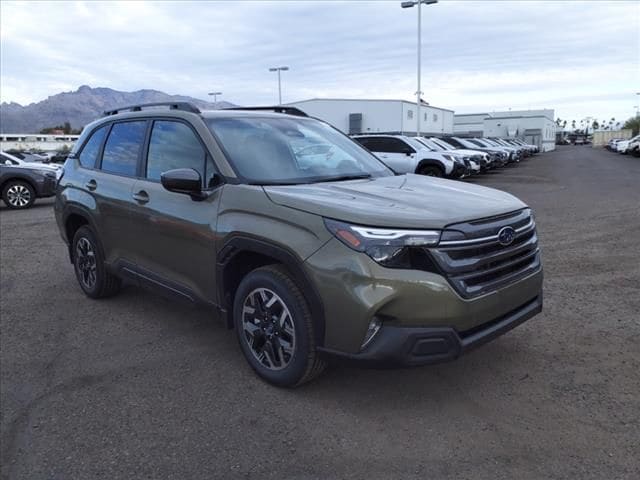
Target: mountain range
column 81, row 107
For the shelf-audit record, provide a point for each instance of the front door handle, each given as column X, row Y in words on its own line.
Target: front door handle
column 141, row 196
column 91, row 185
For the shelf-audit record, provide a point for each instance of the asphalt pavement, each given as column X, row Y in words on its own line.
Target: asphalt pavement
column 138, row 387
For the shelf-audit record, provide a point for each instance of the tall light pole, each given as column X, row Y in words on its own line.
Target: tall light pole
column 215, row 97
column 279, row 69
column 638, row 106
column 410, row 4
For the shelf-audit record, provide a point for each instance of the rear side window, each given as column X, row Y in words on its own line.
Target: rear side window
column 390, row 145
column 173, row 145
column 90, row 151
column 123, row 148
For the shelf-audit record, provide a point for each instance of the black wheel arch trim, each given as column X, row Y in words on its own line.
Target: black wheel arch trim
column 237, row 244
column 430, row 162
column 82, row 212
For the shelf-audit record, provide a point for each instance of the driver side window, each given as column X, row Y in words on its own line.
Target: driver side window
column 174, row 145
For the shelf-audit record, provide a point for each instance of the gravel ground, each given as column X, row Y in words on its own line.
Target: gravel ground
column 137, row 387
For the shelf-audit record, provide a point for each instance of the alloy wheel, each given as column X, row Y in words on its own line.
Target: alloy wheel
column 86, row 263
column 18, row 196
column 268, row 328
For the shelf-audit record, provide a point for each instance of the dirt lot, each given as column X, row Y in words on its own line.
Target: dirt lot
column 137, row 387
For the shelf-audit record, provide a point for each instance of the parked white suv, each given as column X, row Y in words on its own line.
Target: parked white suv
column 622, row 146
column 471, row 162
column 407, row 155
column 634, row 146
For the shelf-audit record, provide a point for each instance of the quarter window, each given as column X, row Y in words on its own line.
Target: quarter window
column 91, row 149
column 123, row 148
column 173, row 145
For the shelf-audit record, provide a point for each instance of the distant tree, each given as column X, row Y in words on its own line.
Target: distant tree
column 573, row 124
column 595, row 125
column 564, row 124
column 558, row 121
column 634, row 124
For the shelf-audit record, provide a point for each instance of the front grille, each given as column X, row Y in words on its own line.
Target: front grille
column 475, row 262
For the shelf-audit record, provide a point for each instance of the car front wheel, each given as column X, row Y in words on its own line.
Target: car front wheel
column 274, row 327
column 18, row 195
column 430, row 171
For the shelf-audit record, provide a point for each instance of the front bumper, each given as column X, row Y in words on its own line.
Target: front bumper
column 414, row 346
column 459, row 170
column 354, row 289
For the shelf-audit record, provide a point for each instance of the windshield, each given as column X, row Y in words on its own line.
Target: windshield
column 443, row 144
column 417, row 143
column 269, row 150
column 473, row 142
column 431, row 145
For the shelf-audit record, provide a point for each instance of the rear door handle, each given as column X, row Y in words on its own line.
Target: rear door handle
column 141, row 196
column 91, row 185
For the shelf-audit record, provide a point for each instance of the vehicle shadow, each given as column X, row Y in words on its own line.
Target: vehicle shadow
column 39, row 204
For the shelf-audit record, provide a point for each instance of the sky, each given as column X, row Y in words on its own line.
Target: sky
column 579, row 58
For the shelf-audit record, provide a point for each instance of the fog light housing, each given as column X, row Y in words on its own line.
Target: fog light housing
column 372, row 331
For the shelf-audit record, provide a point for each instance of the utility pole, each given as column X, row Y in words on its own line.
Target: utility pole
column 279, row 69
column 411, row 4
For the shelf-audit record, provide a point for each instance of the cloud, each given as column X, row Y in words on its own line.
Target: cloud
column 476, row 55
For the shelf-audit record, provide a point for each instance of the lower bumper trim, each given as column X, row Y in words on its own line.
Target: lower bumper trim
column 415, row 346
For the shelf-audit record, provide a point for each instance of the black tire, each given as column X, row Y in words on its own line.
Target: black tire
column 100, row 283
column 431, row 171
column 18, row 194
column 296, row 368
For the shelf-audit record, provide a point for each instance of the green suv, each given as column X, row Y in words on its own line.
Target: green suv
column 299, row 238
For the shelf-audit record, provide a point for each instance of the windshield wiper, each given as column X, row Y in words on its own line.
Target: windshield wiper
column 339, row 178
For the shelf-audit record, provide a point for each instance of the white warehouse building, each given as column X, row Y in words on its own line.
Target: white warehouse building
column 533, row 126
column 378, row 116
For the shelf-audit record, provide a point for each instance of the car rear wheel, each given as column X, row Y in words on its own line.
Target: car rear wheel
column 274, row 327
column 88, row 262
column 430, row 171
column 18, row 194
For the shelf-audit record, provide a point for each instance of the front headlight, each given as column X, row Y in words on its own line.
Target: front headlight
column 390, row 247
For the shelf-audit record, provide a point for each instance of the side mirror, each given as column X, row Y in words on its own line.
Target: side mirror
column 183, row 180
column 215, row 180
column 408, row 152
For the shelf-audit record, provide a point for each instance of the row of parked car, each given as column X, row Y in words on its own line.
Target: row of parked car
column 450, row 157
column 22, row 180
column 624, row 146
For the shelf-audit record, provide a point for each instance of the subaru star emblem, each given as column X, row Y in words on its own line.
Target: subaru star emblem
column 506, row 236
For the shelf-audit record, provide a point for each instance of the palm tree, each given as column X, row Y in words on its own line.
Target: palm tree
column 564, row 123
column 573, row 124
column 634, row 124
column 595, row 125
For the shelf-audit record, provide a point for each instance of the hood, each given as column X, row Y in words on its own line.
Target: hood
column 467, row 151
column 34, row 166
column 404, row 201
